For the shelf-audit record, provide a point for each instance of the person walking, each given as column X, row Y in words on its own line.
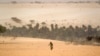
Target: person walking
column 51, row 45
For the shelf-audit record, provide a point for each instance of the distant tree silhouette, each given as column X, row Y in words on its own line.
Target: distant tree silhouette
column 98, row 39
column 36, row 30
column 56, row 27
column 41, row 30
column 52, row 32
column 89, row 30
column 52, row 27
column 89, row 38
column 37, row 2
column 2, row 29
column 30, row 26
column 70, row 31
column 62, row 33
column 32, row 21
column 44, row 30
column 55, row 31
column 77, row 33
column 43, row 24
column 13, row 2
column 84, row 29
column 15, row 19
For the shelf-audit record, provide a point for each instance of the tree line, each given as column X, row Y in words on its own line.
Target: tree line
column 54, row 32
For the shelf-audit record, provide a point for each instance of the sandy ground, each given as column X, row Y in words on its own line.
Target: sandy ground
column 40, row 47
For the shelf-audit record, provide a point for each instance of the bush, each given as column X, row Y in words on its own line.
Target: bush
column 2, row 29
column 98, row 39
column 89, row 38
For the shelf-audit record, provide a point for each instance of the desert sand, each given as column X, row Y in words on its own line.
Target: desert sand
column 40, row 47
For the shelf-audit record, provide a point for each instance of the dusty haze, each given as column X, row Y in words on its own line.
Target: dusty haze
column 66, row 14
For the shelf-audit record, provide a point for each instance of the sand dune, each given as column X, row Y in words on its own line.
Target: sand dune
column 40, row 47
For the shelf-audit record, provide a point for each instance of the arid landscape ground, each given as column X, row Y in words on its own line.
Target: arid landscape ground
column 40, row 47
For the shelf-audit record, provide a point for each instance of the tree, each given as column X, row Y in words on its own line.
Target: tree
column 2, row 29
column 89, row 30
column 44, row 30
column 36, row 30
column 32, row 21
column 52, row 27
column 13, row 2
column 89, row 38
column 37, row 2
column 43, row 24
column 97, row 39
column 15, row 19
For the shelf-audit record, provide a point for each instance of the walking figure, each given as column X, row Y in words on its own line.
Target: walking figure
column 51, row 45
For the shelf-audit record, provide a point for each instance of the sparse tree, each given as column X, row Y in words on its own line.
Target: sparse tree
column 15, row 19
column 2, row 29
column 13, row 2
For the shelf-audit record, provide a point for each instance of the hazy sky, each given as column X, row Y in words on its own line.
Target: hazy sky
column 44, row 0
column 66, row 14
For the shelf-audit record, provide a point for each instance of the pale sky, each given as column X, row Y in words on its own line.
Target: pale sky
column 66, row 14
column 44, row 0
